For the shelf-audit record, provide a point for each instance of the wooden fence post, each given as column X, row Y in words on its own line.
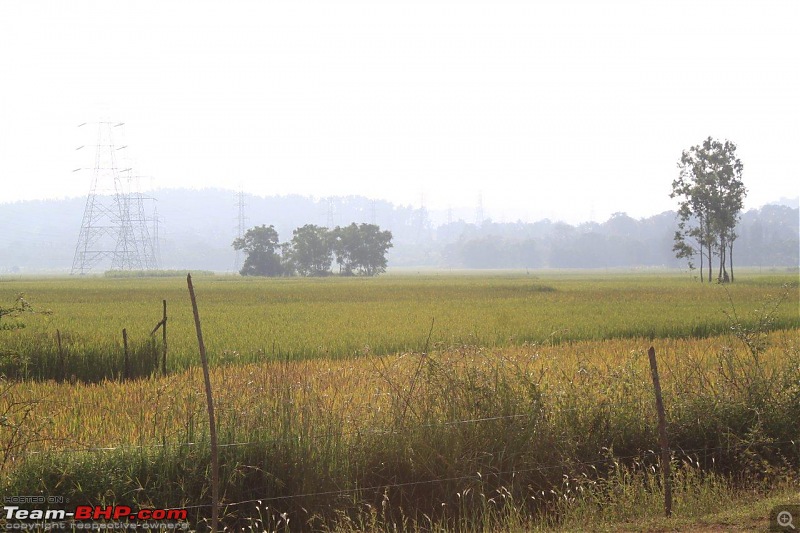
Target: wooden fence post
column 163, row 325
column 61, row 369
column 126, row 362
column 662, row 434
column 212, row 426
column 164, row 341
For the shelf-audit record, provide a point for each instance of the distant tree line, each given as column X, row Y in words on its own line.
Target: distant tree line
column 766, row 237
column 357, row 250
column 195, row 231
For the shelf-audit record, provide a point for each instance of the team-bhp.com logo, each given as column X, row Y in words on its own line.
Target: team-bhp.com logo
column 87, row 512
column 88, row 516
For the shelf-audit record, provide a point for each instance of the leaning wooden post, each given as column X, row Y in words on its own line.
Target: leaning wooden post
column 662, row 434
column 126, row 363
column 212, row 427
column 164, row 342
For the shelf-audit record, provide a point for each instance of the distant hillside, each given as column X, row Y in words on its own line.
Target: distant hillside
column 196, row 229
column 768, row 237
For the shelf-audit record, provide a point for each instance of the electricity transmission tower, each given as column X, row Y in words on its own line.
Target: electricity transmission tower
column 422, row 218
column 331, row 213
column 479, row 220
column 242, row 223
column 156, row 237
column 114, row 228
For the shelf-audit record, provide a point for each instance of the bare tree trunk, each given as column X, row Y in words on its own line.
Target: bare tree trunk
column 702, row 256
column 730, row 258
column 702, row 253
column 709, row 262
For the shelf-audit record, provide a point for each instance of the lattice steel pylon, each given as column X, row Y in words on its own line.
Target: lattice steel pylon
column 114, row 228
column 240, row 227
column 479, row 220
column 331, row 222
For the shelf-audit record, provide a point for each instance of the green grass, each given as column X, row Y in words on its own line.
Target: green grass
column 249, row 320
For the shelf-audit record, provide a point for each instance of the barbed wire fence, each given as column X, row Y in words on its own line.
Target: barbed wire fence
column 677, row 454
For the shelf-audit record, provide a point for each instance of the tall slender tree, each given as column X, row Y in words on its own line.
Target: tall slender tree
column 711, row 194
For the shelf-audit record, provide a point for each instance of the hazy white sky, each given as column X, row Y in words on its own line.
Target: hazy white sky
column 569, row 110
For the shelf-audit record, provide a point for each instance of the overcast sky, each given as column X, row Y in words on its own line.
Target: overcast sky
column 566, row 110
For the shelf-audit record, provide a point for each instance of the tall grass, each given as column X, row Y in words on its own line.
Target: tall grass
column 80, row 359
column 458, row 438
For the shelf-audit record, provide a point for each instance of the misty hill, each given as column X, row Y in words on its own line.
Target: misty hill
column 196, row 229
column 768, row 237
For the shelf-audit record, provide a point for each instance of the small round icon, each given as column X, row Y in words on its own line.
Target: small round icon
column 785, row 519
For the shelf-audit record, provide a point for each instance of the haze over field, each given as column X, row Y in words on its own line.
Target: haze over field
column 568, row 111
column 196, row 230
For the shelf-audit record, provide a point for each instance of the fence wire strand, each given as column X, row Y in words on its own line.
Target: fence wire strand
column 358, row 432
column 477, row 476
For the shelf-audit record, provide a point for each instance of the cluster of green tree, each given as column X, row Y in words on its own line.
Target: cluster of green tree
column 711, row 196
column 358, row 249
